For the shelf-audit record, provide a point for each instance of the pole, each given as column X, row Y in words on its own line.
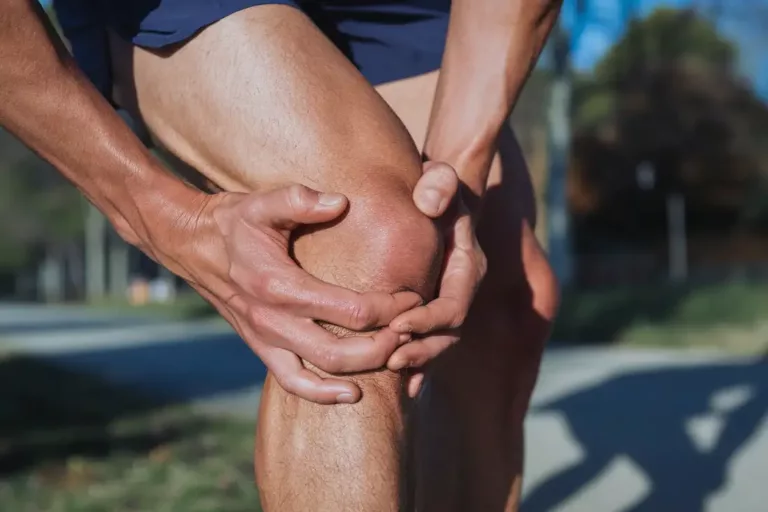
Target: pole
column 119, row 266
column 559, row 135
column 95, row 253
column 678, row 239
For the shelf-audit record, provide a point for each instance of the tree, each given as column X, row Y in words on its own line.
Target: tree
column 666, row 41
column 667, row 93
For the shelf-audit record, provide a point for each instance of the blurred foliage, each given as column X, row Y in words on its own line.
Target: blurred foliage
column 40, row 210
column 668, row 94
column 727, row 316
column 652, row 49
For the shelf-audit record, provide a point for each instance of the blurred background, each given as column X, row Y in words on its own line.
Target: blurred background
column 645, row 127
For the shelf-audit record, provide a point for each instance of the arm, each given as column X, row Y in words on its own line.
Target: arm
column 51, row 107
column 491, row 49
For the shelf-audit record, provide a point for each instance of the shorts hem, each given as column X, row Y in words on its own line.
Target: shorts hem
column 159, row 40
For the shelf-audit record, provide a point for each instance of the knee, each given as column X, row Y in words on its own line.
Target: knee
column 383, row 243
column 400, row 249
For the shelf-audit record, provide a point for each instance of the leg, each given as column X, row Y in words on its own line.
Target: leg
column 470, row 428
column 262, row 99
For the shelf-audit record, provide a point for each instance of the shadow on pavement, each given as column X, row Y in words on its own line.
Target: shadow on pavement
column 174, row 372
column 645, row 416
column 56, row 407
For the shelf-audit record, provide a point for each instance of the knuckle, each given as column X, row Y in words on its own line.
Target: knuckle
column 378, row 357
column 298, row 196
column 360, row 316
column 288, row 383
column 255, row 319
column 273, row 288
column 327, row 360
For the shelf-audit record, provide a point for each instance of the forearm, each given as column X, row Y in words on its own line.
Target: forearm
column 52, row 108
column 492, row 47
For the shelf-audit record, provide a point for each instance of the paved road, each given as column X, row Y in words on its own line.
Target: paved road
column 656, row 431
column 610, row 430
column 160, row 362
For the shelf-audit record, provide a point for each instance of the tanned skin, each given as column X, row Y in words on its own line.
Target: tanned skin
column 207, row 239
column 353, row 457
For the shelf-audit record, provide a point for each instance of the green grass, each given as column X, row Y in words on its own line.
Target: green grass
column 732, row 316
column 70, row 443
column 204, row 465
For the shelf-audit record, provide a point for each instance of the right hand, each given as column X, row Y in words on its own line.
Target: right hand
column 235, row 253
column 438, row 323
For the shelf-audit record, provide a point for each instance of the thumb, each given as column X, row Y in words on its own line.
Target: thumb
column 288, row 207
column 435, row 189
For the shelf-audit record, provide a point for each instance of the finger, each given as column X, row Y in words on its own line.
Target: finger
column 435, row 189
column 297, row 380
column 288, row 207
column 414, row 382
column 463, row 233
column 418, row 353
column 449, row 310
column 445, row 312
column 336, row 355
column 458, row 286
column 287, row 368
column 313, row 298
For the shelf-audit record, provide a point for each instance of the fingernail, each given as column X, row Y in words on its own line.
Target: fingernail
column 345, row 398
column 405, row 338
column 330, row 199
column 431, row 199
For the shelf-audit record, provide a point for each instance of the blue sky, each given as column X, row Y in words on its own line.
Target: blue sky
column 604, row 21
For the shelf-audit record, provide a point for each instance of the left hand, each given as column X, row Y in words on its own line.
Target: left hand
column 440, row 321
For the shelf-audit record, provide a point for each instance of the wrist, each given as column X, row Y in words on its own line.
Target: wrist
column 158, row 214
column 472, row 160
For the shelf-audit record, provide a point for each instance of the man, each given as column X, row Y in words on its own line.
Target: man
column 264, row 100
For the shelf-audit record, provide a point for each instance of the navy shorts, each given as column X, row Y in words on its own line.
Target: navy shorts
column 386, row 39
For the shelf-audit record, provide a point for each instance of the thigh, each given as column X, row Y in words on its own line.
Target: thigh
column 262, row 99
